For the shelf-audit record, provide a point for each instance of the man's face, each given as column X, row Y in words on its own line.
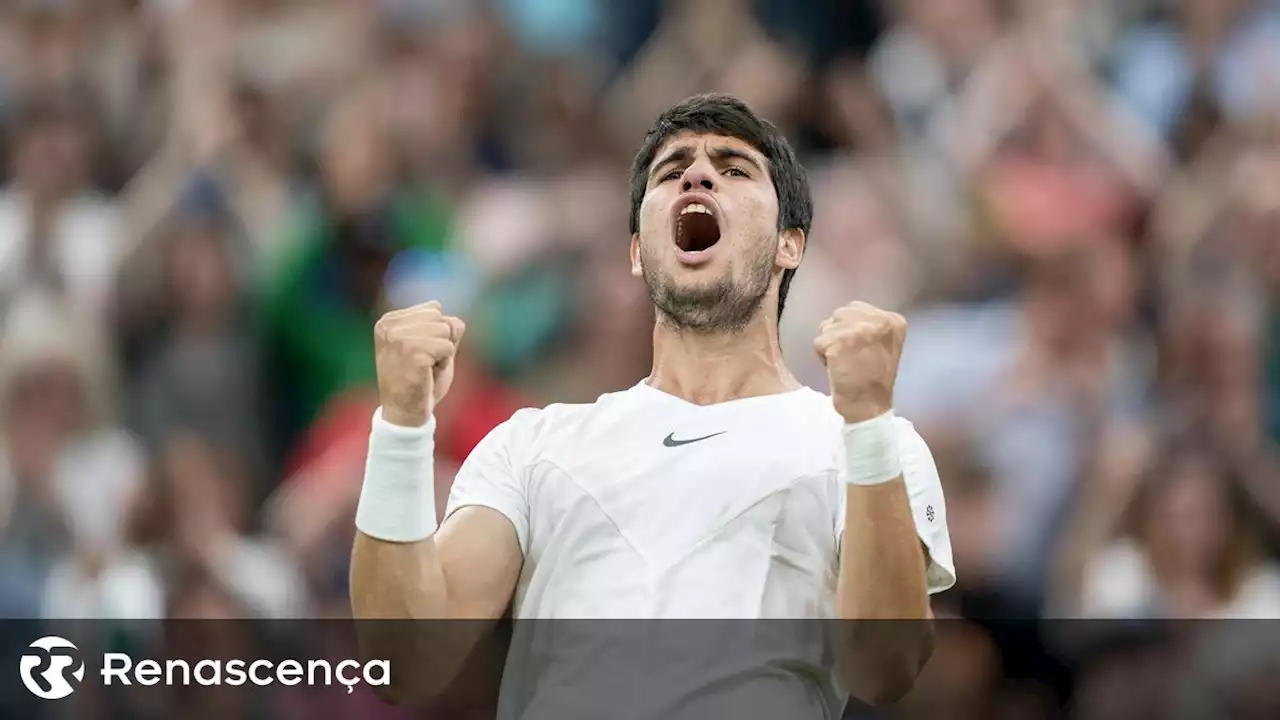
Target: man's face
column 708, row 242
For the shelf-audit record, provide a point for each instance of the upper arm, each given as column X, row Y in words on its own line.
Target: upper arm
column 928, row 507
column 485, row 534
column 481, row 560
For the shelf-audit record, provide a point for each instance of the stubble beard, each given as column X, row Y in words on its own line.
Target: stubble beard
column 717, row 306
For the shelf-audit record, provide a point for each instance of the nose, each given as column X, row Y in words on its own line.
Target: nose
column 698, row 174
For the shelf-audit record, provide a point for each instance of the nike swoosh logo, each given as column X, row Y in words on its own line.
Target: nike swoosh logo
column 670, row 440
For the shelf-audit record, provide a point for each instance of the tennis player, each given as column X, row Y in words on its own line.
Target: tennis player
column 717, row 487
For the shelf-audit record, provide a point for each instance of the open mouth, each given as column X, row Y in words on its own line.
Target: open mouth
column 696, row 228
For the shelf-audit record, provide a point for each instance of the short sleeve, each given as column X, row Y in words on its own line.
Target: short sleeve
column 493, row 476
column 928, row 507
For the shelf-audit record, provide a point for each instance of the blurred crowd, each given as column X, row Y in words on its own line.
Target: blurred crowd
column 207, row 203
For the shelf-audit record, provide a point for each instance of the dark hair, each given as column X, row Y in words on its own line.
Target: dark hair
column 1176, row 453
column 730, row 117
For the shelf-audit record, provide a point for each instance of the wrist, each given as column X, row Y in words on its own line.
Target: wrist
column 860, row 409
column 397, row 499
column 871, row 450
column 404, row 418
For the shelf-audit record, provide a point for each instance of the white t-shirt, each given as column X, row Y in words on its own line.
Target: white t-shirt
column 643, row 506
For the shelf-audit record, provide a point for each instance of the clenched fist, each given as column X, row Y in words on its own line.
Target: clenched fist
column 860, row 345
column 414, row 350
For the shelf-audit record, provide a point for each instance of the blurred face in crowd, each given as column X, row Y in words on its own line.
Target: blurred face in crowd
column 357, row 162
column 51, row 158
column 708, row 242
column 51, row 43
column 43, row 407
column 49, row 396
column 1083, row 295
column 199, row 272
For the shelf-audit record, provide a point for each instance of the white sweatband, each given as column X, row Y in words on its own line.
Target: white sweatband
column 871, row 451
column 398, row 498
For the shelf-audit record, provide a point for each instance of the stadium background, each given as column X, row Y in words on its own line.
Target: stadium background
column 206, row 203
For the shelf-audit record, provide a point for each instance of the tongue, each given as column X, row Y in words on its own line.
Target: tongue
column 698, row 231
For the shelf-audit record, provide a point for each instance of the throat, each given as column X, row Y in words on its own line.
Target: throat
column 710, row 370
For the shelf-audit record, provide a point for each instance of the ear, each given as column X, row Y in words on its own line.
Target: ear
column 636, row 269
column 790, row 248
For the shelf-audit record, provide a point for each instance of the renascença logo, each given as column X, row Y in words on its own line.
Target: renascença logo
column 45, row 672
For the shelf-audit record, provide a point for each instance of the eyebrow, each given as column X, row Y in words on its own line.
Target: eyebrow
column 720, row 153
column 678, row 154
column 725, row 152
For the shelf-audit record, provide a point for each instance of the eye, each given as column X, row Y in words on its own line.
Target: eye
column 671, row 175
column 736, row 172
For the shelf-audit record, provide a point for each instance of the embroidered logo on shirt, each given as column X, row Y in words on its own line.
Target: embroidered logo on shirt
column 670, row 440
column 928, row 512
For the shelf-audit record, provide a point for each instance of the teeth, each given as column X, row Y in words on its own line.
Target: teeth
column 695, row 207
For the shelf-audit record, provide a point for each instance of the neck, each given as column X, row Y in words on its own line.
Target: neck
column 709, row 368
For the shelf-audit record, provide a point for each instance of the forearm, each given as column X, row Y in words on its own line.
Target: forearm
column 881, row 562
column 882, row 598
column 397, row 581
column 397, row 572
column 399, row 598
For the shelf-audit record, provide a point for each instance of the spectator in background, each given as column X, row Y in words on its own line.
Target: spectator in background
column 1043, row 185
column 233, row 147
column 319, row 305
column 46, row 50
column 927, row 54
column 70, row 477
column 1036, row 382
column 1189, row 548
column 196, row 530
column 1228, row 50
column 56, row 231
column 1215, row 234
column 606, row 345
column 699, row 46
column 859, row 240
column 963, row 683
column 200, row 370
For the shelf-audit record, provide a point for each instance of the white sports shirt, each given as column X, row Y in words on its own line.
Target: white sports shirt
column 644, row 506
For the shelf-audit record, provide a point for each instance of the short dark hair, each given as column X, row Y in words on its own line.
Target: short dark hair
column 728, row 116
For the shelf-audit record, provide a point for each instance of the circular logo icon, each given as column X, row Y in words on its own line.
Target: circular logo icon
column 45, row 670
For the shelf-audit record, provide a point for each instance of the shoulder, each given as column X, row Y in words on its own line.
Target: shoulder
column 532, row 422
column 533, row 430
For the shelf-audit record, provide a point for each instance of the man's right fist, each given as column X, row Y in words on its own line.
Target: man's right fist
column 414, row 351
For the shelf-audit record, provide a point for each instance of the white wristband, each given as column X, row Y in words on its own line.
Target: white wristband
column 871, row 451
column 398, row 498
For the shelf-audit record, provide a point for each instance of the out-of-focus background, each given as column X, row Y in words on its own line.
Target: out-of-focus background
column 207, row 203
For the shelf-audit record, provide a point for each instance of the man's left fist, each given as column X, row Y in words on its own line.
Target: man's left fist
column 860, row 344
